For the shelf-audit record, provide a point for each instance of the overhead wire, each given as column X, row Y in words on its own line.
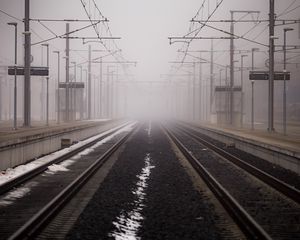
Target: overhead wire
column 118, row 50
column 195, row 32
column 95, row 29
column 287, row 8
column 290, row 11
column 65, row 34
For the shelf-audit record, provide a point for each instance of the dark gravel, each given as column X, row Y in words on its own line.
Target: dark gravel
column 275, row 170
column 170, row 208
column 278, row 215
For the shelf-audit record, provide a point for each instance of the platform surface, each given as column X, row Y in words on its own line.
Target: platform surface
column 290, row 142
column 8, row 134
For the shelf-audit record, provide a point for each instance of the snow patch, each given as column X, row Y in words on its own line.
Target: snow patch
column 128, row 223
column 12, row 173
column 18, row 193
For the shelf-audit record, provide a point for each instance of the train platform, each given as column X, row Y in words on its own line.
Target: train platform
column 39, row 128
column 289, row 142
column 28, row 143
column 275, row 147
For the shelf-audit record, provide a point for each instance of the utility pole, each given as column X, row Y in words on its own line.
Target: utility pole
column 80, row 96
column 86, row 93
column 227, row 95
column 107, row 93
column 89, row 83
column 271, row 67
column 252, row 89
column 231, row 71
column 284, row 80
column 111, row 107
column 200, row 90
column 15, row 80
column 194, row 92
column 73, row 97
column 47, row 86
column 211, row 78
column 100, row 89
column 27, row 48
column 231, row 86
column 242, row 92
column 67, row 110
column 58, row 81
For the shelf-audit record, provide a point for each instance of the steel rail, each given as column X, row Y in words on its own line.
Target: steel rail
column 30, row 229
column 247, row 224
column 275, row 183
column 36, row 171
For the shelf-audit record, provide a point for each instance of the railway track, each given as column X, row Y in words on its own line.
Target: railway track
column 274, row 182
column 9, row 185
column 282, row 174
column 50, row 191
column 261, row 211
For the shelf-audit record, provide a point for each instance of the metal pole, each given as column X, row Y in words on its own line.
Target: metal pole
column 220, row 99
column 226, row 96
column 58, row 80
column 107, row 93
column 211, row 76
column 252, row 93
column 284, row 79
column 85, row 87
column 15, row 79
column 200, row 89
column 271, row 67
column 194, row 86
column 100, row 89
column 94, row 98
column 201, row 92
column 27, row 63
column 67, row 110
column 89, row 83
column 112, row 95
column 231, row 71
column 47, row 99
column 284, row 82
column 80, row 104
column 74, row 89
column 242, row 92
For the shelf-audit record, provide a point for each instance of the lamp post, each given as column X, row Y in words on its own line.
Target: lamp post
column 47, row 82
column 226, row 108
column 220, row 99
column 86, row 83
column 72, row 88
column 58, row 80
column 110, row 91
column 252, row 89
column 80, row 67
column 242, row 92
column 15, row 82
column 284, row 78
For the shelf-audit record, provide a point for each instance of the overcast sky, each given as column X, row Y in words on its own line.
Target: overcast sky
column 143, row 25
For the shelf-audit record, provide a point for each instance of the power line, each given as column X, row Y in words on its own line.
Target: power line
column 234, row 35
column 291, row 10
column 63, row 35
column 286, row 9
column 197, row 31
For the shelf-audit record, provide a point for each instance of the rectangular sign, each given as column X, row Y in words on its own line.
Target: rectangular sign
column 71, row 85
column 264, row 75
column 227, row 89
column 34, row 71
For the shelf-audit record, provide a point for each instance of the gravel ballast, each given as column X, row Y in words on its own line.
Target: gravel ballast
column 147, row 195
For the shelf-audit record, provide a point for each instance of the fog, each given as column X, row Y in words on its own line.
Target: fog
column 142, row 74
